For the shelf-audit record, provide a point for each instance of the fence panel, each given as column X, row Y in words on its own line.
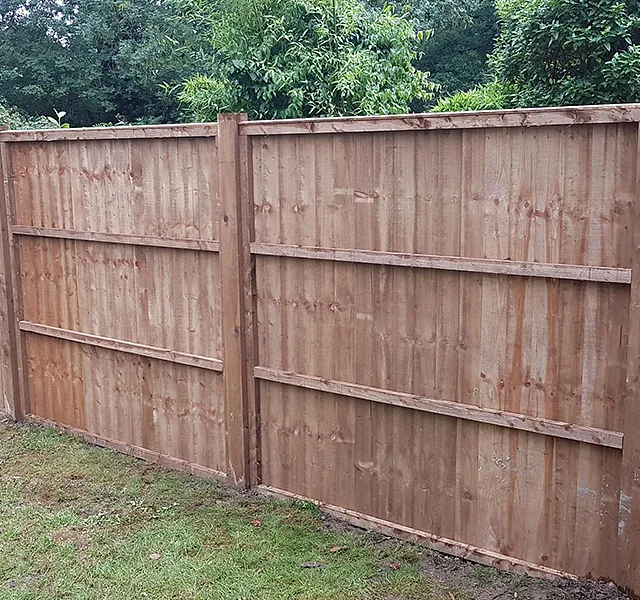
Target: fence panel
column 452, row 367
column 121, row 290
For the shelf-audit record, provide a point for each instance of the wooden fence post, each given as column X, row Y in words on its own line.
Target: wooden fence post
column 238, row 303
column 629, row 515
column 12, row 354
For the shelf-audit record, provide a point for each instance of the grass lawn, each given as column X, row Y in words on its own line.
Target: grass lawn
column 81, row 522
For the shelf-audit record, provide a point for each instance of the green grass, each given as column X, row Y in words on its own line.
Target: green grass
column 85, row 523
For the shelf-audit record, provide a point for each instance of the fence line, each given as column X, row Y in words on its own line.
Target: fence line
column 428, row 324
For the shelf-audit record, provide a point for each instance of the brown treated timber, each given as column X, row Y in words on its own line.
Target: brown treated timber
column 233, row 273
column 9, row 379
column 117, row 238
column 183, row 358
column 435, row 542
column 16, row 386
column 250, row 307
column 449, row 263
column 533, row 117
column 629, row 507
column 559, row 429
column 112, row 133
column 132, row 450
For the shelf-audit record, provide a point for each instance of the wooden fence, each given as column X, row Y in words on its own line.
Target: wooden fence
column 429, row 324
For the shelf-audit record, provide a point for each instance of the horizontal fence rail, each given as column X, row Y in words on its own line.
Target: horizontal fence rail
column 534, row 117
column 202, row 362
column 428, row 325
column 117, row 238
column 449, row 263
column 589, row 435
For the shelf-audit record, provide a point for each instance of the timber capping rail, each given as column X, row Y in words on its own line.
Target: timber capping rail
column 111, row 133
column 529, row 117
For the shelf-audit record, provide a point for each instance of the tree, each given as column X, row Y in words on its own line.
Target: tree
column 100, row 60
column 562, row 52
column 298, row 58
column 433, row 14
column 456, row 54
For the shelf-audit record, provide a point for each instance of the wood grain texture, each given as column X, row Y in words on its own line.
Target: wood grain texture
column 448, row 263
column 202, row 362
column 568, row 204
column 165, row 408
column 413, row 327
column 250, row 308
column 14, row 361
column 112, row 133
column 8, row 373
column 158, row 187
column 233, row 267
column 629, row 519
column 531, row 117
column 117, row 238
column 578, row 433
column 159, row 297
column 340, row 219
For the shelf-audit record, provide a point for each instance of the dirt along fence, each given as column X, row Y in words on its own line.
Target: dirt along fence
column 430, row 324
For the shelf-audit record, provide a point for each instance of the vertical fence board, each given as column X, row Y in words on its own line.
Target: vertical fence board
column 629, row 509
column 249, row 306
column 7, row 358
column 15, row 370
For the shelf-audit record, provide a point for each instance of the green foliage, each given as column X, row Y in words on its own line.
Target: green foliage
column 57, row 121
column 100, row 60
column 434, row 14
column 298, row 58
column 456, row 54
column 15, row 119
column 489, row 96
column 561, row 52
